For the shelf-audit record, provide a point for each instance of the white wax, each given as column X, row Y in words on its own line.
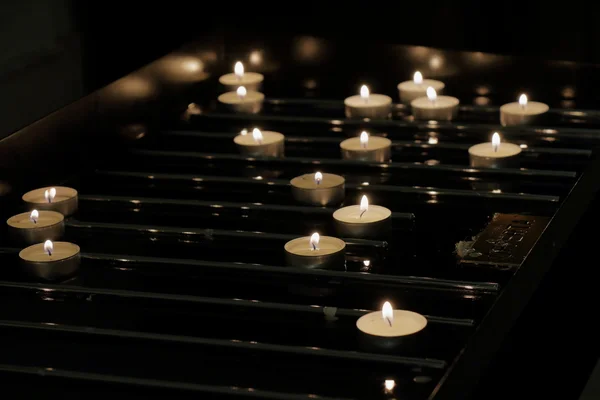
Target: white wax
column 327, row 245
column 487, row 150
column 409, row 90
column 375, row 106
column 374, row 143
column 46, row 218
column 250, row 103
column 250, row 80
column 37, row 196
column 307, row 181
column 443, row 108
column 61, row 251
column 351, row 214
column 269, row 138
column 514, row 114
column 404, row 323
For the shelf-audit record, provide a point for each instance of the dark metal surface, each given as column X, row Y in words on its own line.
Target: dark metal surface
column 182, row 238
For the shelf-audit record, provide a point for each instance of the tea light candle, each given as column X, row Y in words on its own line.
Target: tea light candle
column 434, row 107
column 366, row 105
column 36, row 226
column 59, row 198
column 522, row 113
column 494, row 154
column 318, row 189
column 367, row 148
column 50, row 261
column 261, row 143
column 387, row 329
column 363, row 221
column 315, row 252
column 252, row 81
column 243, row 101
column 410, row 90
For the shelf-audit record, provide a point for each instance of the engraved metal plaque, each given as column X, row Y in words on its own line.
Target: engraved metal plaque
column 506, row 241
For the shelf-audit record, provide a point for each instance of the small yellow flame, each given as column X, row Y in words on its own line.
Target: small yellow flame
column 257, row 135
column 387, row 312
column 244, row 132
column 364, row 204
column 389, row 385
column 314, row 241
column 34, row 216
column 238, row 69
column 431, row 94
column 418, row 78
column 495, row 141
column 318, row 177
column 364, row 139
column 242, row 92
column 50, row 194
column 366, row 263
column 48, row 247
column 364, row 92
column 523, row 100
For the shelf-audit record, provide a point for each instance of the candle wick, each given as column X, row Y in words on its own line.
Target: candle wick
column 314, row 246
column 50, row 253
column 389, row 322
column 34, row 220
column 361, row 214
column 318, row 181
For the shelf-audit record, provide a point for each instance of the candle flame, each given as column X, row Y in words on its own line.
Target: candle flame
column 389, row 384
column 238, row 69
column 364, row 92
column 418, row 78
column 388, row 312
column 48, row 247
column 34, row 216
column 318, row 178
column 242, row 92
column 366, row 263
column 314, row 241
column 364, row 139
column 244, row 132
column 495, row 141
column 257, row 135
column 364, row 205
column 50, row 194
column 523, row 100
column 431, row 94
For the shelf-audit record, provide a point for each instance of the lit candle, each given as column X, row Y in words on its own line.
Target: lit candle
column 318, row 189
column 242, row 101
column 36, row 226
column 251, row 80
column 316, row 251
column 261, row 143
column 368, row 105
column 434, row 107
column 523, row 112
column 494, row 154
column 387, row 329
column 50, row 260
column 367, row 148
column 363, row 221
column 59, row 198
column 410, row 90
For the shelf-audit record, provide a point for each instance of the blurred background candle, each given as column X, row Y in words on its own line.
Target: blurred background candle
column 367, row 148
column 318, row 189
column 363, row 221
column 252, row 81
column 261, row 143
column 316, row 251
column 410, row 90
column 523, row 112
column 388, row 329
column 36, row 226
column 494, row 154
column 50, row 260
column 367, row 105
column 242, row 101
column 434, row 107
column 59, row 198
